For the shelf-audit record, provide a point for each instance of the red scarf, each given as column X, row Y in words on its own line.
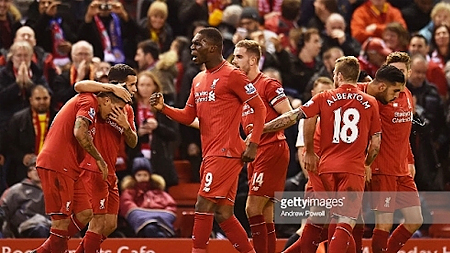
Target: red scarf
column 40, row 132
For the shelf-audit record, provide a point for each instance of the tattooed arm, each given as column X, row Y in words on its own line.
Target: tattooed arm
column 283, row 121
column 81, row 133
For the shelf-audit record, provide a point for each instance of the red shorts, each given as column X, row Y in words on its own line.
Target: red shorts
column 104, row 195
column 267, row 174
column 62, row 194
column 219, row 179
column 313, row 185
column 347, row 189
column 389, row 193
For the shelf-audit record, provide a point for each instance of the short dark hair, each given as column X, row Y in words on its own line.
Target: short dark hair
column 120, row 72
column 420, row 36
column 213, row 35
column 114, row 98
column 149, row 47
column 389, row 75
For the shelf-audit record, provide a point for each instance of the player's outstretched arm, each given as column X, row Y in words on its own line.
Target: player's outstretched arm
column 283, row 121
column 81, row 133
column 184, row 116
column 94, row 87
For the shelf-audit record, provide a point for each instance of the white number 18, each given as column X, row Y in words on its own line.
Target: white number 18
column 350, row 118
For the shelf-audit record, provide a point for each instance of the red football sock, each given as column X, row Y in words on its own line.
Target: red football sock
column 398, row 238
column 323, row 235
column 203, row 223
column 45, row 247
column 92, row 242
column 80, row 248
column 236, row 234
column 379, row 240
column 259, row 233
column 331, row 229
column 58, row 240
column 271, row 237
column 341, row 238
column 358, row 232
column 310, row 239
column 351, row 245
column 75, row 225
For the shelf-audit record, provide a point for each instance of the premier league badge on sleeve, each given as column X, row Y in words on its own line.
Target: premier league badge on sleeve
column 249, row 88
column 91, row 113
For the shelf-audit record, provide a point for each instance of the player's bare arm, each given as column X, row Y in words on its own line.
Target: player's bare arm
column 94, row 87
column 84, row 138
column 311, row 158
column 157, row 101
column 374, row 148
column 119, row 116
column 250, row 152
column 283, row 121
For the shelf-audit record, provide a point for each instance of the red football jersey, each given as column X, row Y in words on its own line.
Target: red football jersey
column 396, row 121
column 348, row 119
column 61, row 151
column 216, row 98
column 271, row 93
column 109, row 137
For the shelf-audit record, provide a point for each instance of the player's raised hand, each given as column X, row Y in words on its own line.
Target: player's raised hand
column 250, row 152
column 157, row 101
column 311, row 160
column 103, row 167
column 120, row 117
column 121, row 92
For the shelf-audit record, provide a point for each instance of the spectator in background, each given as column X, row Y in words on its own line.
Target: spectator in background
column 180, row 45
column 26, row 132
column 297, row 71
column 156, row 133
column 417, row 14
column 55, row 32
column 8, row 26
column 268, row 60
column 396, row 37
column 155, row 28
column 322, row 9
column 101, row 72
column 145, row 205
column 370, row 19
column 250, row 22
column 329, row 58
column 282, row 23
column 230, row 21
column 147, row 54
column 17, row 79
column 190, row 12
column 440, row 14
column 80, row 69
column 42, row 59
column 166, row 72
column 268, row 7
column 335, row 35
column 435, row 74
column 110, row 30
column 23, row 209
column 440, row 45
column 373, row 54
column 430, row 108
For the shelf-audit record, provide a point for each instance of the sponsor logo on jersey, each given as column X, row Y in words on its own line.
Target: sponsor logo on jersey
column 91, row 113
column 250, row 89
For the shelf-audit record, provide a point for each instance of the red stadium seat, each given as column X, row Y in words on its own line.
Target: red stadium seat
column 187, row 224
column 438, row 230
column 184, row 171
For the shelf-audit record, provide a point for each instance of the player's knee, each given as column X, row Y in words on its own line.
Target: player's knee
column 222, row 215
column 109, row 228
column 384, row 227
column 85, row 216
column 252, row 210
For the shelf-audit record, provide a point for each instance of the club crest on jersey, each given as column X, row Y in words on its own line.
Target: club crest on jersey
column 91, row 113
column 213, row 85
column 310, row 102
column 249, row 88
